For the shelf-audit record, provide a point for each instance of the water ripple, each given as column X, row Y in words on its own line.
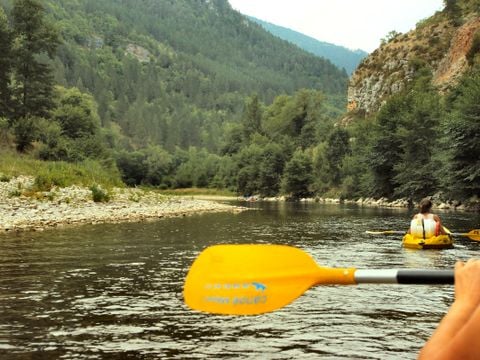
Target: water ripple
column 115, row 291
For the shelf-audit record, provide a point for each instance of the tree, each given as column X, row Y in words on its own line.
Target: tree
column 34, row 38
column 390, row 36
column 453, row 10
column 337, row 148
column 74, row 134
column 249, row 162
column 416, row 172
column 385, row 148
column 271, row 169
column 76, row 112
column 462, row 127
column 132, row 167
column 6, row 39
column 158, row 164
column 297, row 176
column 252, row 117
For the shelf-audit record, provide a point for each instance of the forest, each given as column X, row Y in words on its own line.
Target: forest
column 189, row 93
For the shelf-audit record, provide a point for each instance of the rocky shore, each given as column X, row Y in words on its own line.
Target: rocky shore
column 384, row 202
column 22, row 209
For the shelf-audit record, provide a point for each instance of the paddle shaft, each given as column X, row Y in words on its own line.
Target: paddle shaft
column 404, row 276
column 472, row 234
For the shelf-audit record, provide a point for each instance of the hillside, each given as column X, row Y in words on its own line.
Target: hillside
column 193, row 61
column 442, row 43
column 340, row 56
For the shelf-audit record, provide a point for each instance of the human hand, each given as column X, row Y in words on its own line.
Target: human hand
column 467, row 283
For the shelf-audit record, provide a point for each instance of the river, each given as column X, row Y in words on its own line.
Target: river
column 115, row 291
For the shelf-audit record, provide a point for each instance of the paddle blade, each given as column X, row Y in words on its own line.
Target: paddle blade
column 253, row 279
column 474, row 235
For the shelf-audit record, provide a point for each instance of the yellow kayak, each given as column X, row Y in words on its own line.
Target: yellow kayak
column 434, row 242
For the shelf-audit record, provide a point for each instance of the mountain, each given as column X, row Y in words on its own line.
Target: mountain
column 172, row 72
column 342, row 57
column 445, row 44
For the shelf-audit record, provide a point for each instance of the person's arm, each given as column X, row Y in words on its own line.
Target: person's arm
column 440, row 225
column 456, row 335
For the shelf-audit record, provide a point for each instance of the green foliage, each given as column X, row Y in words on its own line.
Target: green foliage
column 99, row 194
column 252, row 117
column 416, row 170
column 406, row 142
column 320, row 165
column 453, row 11
column 57, row 172
column 249, row 160
column 26, row 82
column 76, row 113
column 385, row 148
column 34, row 38
column 132, row 167
column 463, row 148
column 198, row 170
column 46, row 181
column 6, row 43
column 297, row 177
column 337, row 148
column 26, row 131
column 392, row 35
column 73, row 133
column 193, row 81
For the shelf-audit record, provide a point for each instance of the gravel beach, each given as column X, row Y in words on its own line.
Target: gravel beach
column 23, row 210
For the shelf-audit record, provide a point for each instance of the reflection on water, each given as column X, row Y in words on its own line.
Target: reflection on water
column 115, row 291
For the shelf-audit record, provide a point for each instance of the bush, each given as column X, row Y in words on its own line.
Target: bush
column 46, row 181
column 99, row 194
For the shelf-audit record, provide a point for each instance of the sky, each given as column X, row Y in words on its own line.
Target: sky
column 354, row 24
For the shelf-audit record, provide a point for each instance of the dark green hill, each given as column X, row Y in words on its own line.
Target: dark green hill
column 342, row 57
column 172, row 72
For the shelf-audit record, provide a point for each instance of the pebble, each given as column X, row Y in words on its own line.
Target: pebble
column 74, row 206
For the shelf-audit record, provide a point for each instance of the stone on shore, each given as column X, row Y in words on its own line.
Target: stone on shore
column 21, row 209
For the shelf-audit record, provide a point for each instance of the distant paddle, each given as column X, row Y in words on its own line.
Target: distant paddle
column 386, row 232
column 472, row 234
column 254, row 279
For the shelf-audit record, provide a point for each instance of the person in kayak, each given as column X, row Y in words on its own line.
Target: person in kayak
column 425, row 224
column 456, row 336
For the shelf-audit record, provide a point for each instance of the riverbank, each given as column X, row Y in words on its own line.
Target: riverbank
column 22, row 209
column 384, row 202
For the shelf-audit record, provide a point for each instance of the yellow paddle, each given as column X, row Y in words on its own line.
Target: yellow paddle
column 254, row 279
column 472, row 234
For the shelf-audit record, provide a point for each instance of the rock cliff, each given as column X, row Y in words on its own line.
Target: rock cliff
column 441, row 42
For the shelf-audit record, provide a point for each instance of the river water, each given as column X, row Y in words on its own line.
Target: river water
column 115, row 291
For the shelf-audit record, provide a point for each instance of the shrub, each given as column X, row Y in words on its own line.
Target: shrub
column 47, row 180
column 99, row 194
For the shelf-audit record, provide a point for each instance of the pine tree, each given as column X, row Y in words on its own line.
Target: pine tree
column 5, row 65
column 34, row 38
column 462, row 127
column 252, row 117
